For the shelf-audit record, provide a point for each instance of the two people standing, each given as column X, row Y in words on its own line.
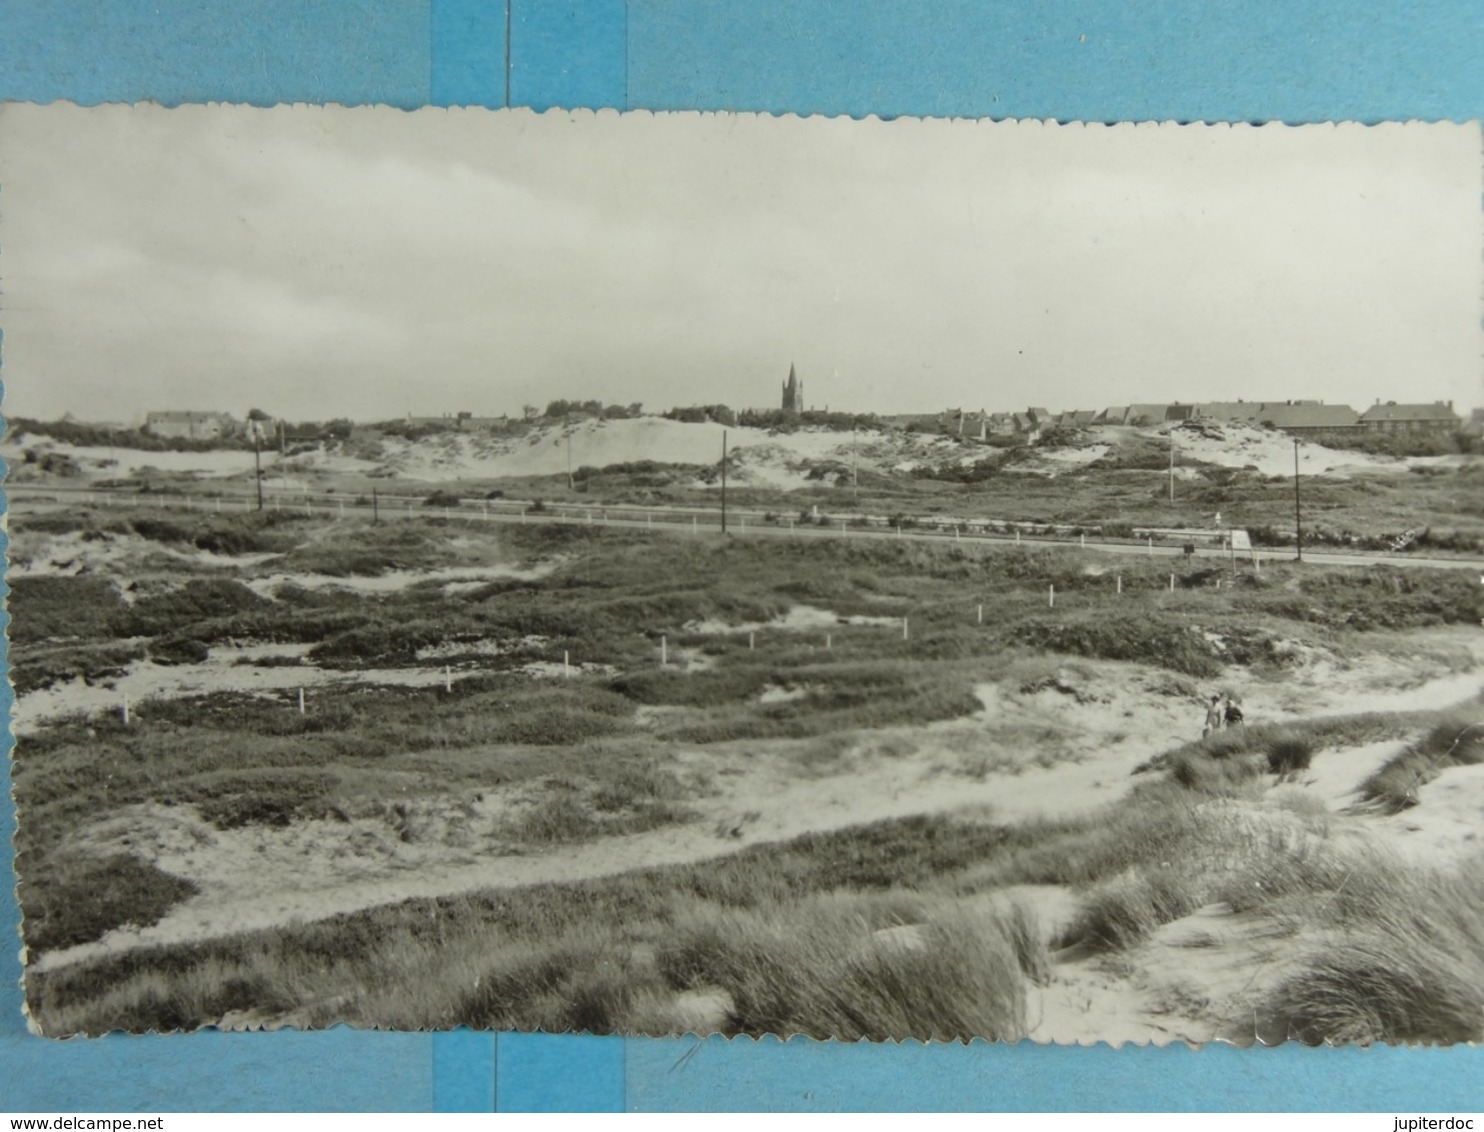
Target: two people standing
column 1221, row 712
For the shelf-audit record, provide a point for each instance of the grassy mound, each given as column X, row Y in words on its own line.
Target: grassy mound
column 1457, row 740
column 65, row 906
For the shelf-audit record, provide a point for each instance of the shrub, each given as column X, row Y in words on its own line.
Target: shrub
column 1455, row 741
column 52, row 608
column 92, row 664
column 1290, row 753
column 1403, row 961
column 1123, row 911
column 1145, row 639
column 179, row 650
column 201, row 599
column 67, row 907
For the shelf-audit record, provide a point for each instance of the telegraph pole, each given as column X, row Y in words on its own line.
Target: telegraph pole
column 1298, row 522
column 855, row 479
column 569, row 461
column 1172, row 467
column 723, row 481
column 257, row 459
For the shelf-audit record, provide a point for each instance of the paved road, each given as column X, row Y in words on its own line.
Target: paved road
column 748, row 523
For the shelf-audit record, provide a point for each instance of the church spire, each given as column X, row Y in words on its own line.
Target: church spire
column 793, row 392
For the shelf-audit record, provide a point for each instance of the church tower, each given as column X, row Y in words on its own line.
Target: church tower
column 793, row 392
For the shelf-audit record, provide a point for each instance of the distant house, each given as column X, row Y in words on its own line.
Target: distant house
column 1114, row 415
column 1391, row 417
column 1307, row 418
column 918, row 422
column 1147, row 414
column 1040, row 417
column 975, row 426
column 1077, row 418
column 1235, row 412
column 1474, row 426
column 1026, row 427
column 1000, row 424
column 182, row 425
column 461, row 421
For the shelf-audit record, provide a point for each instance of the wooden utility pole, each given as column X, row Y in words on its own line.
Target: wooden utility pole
column 1172, row 467
column 855, row 479
column 257, row 459
column 723, row 481
column 1298, row 521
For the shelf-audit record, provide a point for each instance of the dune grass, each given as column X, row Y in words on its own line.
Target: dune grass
column 1400, row 959
column 785, row 935
column 786, row 930
column 1457, row 740
column 75, row 901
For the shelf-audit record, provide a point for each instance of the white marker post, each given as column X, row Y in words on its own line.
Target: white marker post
column 904, row 628
column 1120, row 583
column 1172, row 583
column 566, row 664
column 664, row 650
column 125, row 712
column 1151, row 546
column 693, row 527
column 1051, row 596
column 1082, row 539
column 828, row 641
column 301, row 701
column 1017, row 536
column 751, row 641
column 981, row 613
column 447, row 678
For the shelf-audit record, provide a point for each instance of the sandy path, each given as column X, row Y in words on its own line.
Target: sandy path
column 762, row 795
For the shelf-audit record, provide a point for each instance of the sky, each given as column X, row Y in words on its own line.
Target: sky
column 321, row 262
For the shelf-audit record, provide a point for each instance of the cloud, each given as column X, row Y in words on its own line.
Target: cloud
column 363, row 260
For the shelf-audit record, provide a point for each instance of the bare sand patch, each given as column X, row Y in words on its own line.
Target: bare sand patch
column 221, row 672
column 798, row 619
column 393, row 581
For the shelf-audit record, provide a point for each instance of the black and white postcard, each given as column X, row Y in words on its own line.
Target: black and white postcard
column 709, row 573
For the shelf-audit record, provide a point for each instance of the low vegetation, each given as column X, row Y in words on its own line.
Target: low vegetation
column 1457, row 740
column 558, row 700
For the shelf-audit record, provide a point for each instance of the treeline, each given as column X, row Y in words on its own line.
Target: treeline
column 99, row 436
column 777, row 420
column 1449, row 443
column 561, row 409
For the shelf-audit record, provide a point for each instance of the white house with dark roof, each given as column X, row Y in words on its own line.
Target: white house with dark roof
column 187, row 425
column 1438, row 416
